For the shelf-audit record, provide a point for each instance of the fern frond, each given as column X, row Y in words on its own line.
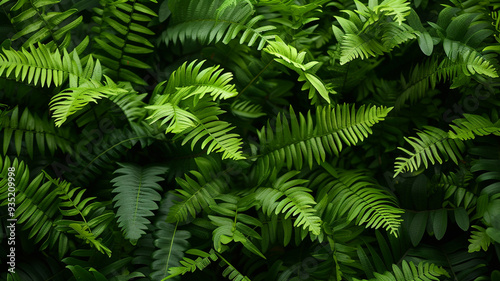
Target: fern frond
column 408, row 271
column 306, row 141
column 73, row 203
column 291, row 58
column 123, row 36
column 289, row 197
column 233, row 225
column 189, row 265
column 473, row 125
column 479, row 239
column 190, row 80
column 28, row 127
column 196, row 194
column 36, row 25
column 171, row 243
column 472, row 62
column 216, row 133
column 72, row 100
column 136, row 191
column 432, row 144
column 359, row 198
column 247, row 109
column 199, row 20
column 44, row 67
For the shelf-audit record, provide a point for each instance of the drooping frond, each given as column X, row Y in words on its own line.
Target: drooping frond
column 35, row 23
column 291, row 198
column 408, row 271
column 473, row 125
column 190, row 80
column 359, row 198
column 196, row 194
column 304, row 141
column 199, row 20
column 44, row 67
column 28, row 127
column 291, row 58
column 136, row 195
column 216, row 133
column 123, row 36
column 431, row 144
column 72, row 100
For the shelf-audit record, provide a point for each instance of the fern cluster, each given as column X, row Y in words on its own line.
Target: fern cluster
column 250, row 140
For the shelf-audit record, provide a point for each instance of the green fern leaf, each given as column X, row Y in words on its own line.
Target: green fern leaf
column 432, row 144
column 200, row 20
column 136, row 191
column 196, row 195
column 28, row 128
column 357, row 196
column 471, row 126
column 479, row 240
column 306, row 141
column 171, row 243
column 72, row 100
column 408, row 271
column 288, row 197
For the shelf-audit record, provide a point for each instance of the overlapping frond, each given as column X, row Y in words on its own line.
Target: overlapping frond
column 137, row 194
column 123, row 36
column 28, row 128
column 291, row 198
column 196, row 194
column 305, row 141
column 359, row 198
column 35, row 23
column 431, row 144
column 199, row 20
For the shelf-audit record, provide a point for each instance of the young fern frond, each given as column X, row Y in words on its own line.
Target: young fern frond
column 289, row 56
column 246, row 109
column 473, row 125
column 291, row 198
column 199, row 20
column 408, row 271
column 36, row 25
column 136, row 193
column 431, row 144
column 27, row 128
column 305, row 141
column 123, row 36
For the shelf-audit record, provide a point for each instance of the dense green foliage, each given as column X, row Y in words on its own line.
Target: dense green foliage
column 251, row 139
